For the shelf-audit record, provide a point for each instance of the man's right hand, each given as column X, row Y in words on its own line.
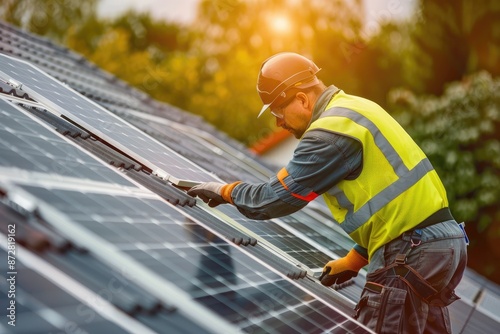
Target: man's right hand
column 343, row 269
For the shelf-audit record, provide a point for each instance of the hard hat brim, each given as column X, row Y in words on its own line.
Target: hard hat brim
column 264, row 108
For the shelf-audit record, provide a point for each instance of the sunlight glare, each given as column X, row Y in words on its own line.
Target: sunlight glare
column 280, row 23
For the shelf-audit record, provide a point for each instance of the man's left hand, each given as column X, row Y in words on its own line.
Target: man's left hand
column 209, row 192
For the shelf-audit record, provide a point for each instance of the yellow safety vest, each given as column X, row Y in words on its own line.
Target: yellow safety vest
column 397, row 189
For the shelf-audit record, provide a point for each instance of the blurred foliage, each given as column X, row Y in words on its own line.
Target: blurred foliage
column 50, row 18
column 459, row 133
column 209, row 67
column 150, row 55
column 451, row 39
column 232, row 41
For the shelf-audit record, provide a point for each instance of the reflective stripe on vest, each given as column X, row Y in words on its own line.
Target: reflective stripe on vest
column 383, row 144
column 354, row 221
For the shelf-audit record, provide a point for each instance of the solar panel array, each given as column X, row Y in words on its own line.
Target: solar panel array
column 215, row 273
column 163, row 239
column 106, row 242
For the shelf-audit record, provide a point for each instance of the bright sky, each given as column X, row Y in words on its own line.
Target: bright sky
column 185, row 10
column 173, row 10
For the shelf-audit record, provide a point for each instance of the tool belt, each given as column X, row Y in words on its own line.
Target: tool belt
column 385, row 293
column 404, row 272
column 411, row 278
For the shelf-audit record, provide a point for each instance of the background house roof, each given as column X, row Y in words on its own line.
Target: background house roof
column 106, row 241
column 269, row 142
column 276, row 149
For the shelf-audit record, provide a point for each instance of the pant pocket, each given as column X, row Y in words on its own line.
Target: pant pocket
column 381, row 308
column 435, row 265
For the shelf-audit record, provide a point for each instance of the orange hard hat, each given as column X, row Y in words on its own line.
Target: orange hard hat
column 281, row 76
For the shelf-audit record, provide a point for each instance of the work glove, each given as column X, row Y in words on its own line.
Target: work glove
column 213, row 193
column 343, row 269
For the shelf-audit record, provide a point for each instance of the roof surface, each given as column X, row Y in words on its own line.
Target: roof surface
column 106, row 241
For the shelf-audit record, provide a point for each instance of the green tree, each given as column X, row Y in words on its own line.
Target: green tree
column 157, row 36
column 459, row 132
column 452, row 39
column 50, row 18
column 151, row 55
column 369, row 66
column 114, row 54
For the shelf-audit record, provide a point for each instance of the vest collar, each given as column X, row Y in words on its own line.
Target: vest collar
column 322, row 102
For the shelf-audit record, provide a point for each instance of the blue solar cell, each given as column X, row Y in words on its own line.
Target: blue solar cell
column 44, row 307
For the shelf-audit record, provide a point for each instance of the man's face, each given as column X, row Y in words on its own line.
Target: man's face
column 295, row 116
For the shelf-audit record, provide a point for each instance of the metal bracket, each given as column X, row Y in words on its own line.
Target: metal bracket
column 15, row 84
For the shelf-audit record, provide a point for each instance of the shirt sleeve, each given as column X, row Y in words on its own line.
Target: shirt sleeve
column 321, row 160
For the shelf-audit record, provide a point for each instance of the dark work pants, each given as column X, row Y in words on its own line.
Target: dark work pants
column 440, row 258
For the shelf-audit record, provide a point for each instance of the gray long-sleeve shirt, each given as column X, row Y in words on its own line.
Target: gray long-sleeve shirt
column 321, row 160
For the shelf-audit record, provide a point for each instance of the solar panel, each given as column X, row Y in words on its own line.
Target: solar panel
column 54, row 296
column 290, row 243
column 305, row 223
column 215, row 273
column 27, row 144
column 122, row 135
column 226, row 162
column 48, row 301
column 304, row 239
column 477, row 310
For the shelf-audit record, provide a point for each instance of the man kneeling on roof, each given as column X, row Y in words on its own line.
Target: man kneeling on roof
column 380, row 188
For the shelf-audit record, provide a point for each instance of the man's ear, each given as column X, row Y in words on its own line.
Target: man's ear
column 303, row 99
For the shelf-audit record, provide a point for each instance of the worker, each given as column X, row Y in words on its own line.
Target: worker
column 379, row 186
